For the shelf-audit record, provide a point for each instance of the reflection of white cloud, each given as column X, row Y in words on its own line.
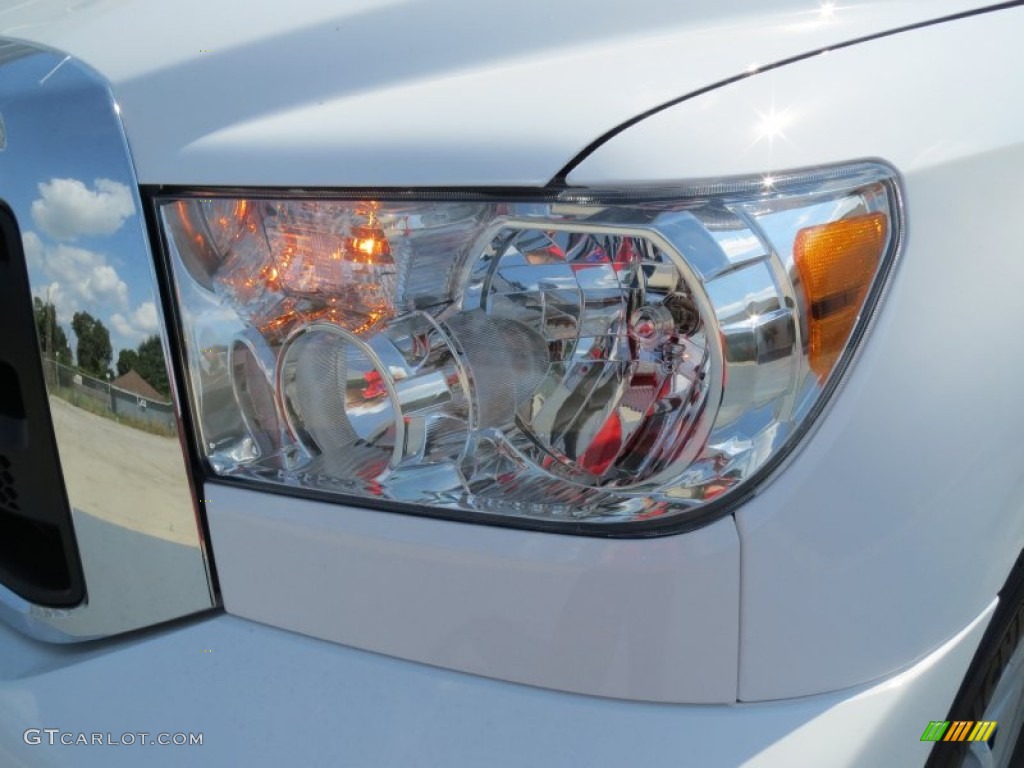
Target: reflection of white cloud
column 121, row 325
column 146, row 318
column 54, row 294
column 141, row 323
column 67, row 209
column 87, row 274
column 76, row 279
column 33, row 249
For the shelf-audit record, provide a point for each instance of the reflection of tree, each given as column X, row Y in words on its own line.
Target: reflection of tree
column 147, row 360
column 128, row 360
column 52, row 339
column 93, row 351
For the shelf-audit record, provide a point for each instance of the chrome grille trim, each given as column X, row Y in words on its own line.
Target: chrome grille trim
column 134, row 514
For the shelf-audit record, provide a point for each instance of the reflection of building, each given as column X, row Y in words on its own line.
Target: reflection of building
column 135, row 399
column 134, row 383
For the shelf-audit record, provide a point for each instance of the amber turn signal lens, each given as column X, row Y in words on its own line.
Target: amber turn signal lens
column 837, row 262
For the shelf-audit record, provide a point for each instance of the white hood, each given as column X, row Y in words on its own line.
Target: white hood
column 416, row 92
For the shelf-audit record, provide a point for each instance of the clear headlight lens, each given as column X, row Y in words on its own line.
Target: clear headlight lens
column 598, row 356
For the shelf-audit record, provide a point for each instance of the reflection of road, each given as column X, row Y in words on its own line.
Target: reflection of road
column 134, row 522
column 122, row 475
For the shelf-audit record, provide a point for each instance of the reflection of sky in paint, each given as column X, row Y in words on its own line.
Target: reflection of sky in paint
column 79, row 218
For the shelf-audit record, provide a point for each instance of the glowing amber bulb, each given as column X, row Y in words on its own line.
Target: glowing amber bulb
column 367, row 244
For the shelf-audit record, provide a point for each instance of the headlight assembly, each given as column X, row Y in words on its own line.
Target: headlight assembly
column 594, row 356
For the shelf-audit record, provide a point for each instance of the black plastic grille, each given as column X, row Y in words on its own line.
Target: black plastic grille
column 38, row 556
column 8, row 492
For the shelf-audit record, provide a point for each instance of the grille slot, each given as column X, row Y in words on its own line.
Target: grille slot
column 38, row 555
column 8, row 493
